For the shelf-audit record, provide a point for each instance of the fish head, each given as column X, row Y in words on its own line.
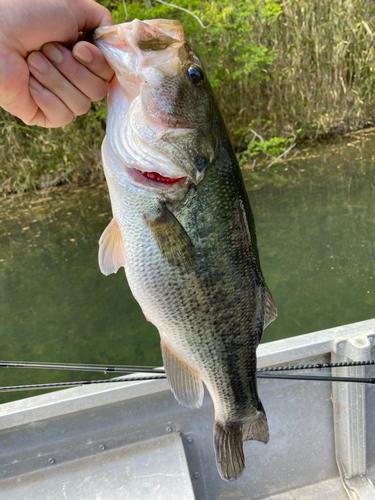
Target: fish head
column 160, row 104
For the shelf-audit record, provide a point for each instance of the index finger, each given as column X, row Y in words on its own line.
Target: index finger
column 14, row 85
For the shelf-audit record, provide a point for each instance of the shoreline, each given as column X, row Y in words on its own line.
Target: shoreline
column 302, row 151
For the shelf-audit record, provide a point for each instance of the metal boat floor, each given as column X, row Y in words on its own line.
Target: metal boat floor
column 155, row 468
column 133, row 441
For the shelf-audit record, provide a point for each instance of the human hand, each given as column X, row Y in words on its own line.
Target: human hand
column 63, row 83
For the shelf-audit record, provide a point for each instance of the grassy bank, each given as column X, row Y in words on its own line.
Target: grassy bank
column 279, row 69
column 37, row 158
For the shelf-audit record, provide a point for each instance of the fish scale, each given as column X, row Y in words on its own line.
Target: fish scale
column 188, row 245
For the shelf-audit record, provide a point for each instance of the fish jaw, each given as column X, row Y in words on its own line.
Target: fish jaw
column 137, row 161
column 146, row 127
column 125, row 48
column 119, row 175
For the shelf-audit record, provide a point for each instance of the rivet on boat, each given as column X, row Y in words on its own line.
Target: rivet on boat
column 51, row 460
column 102, row 447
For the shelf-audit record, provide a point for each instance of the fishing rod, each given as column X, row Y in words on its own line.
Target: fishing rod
column 87, row 368
column 153, row 369
column 59, row 385
column 159, row 373
column 361, row 380
column 320, row 366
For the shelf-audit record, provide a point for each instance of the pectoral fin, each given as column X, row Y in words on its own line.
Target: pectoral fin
column 186, row 385
column 111, row 249
column 172, row 239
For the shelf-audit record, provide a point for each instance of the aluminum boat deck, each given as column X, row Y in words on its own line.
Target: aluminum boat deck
column 134, row 441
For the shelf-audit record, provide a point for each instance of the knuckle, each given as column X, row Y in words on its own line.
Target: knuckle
column 31, row 121
column 36, row 118
column 74, row 73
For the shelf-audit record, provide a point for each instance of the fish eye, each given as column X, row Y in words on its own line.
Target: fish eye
column 196, row 75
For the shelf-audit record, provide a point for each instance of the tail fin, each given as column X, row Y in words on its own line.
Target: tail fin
column 229, row 450
column 228, row 438
column 257, row 430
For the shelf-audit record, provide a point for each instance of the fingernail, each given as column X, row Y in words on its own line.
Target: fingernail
column 83, row 54
column 35, row 85
column 53, row 53
column 37, row 61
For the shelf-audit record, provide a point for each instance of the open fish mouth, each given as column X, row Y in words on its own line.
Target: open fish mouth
column 155, row 177
column 155, row 181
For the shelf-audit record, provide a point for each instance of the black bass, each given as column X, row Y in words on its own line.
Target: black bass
column 183, row 228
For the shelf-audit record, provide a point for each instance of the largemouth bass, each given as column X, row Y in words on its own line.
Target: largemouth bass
column 183, row 228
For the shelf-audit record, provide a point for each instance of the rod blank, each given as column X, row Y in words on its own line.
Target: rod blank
column 58, row 385
column 104, row 369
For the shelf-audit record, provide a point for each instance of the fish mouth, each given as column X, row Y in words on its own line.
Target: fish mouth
column 155, row 177
column 155, row 181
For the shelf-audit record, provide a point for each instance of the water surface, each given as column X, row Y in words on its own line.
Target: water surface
column 315, row 221
column 316, row 231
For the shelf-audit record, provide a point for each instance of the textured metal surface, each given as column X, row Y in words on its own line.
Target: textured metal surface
column 331, row 489
column 350, row 417
column 154, row 469
column 71, row 426
column 310, row 345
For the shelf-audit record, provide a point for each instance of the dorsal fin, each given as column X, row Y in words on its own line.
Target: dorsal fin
column 271, row 309
column 186, row 385
column 111, row 249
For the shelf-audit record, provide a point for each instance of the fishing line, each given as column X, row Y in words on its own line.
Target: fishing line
column 184, row 10
column 58, row 385
column 172, row 5
column 125, row 10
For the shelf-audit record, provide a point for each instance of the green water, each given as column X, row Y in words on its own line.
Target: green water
column 315, row 220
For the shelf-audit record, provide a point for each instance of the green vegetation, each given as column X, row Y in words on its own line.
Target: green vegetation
column 37, row 158
column 277, row 67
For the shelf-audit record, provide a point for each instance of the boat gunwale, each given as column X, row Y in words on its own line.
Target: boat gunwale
column 64, row 402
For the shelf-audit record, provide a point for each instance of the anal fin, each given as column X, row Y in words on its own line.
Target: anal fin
column 186, row 386
column 111, row 249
